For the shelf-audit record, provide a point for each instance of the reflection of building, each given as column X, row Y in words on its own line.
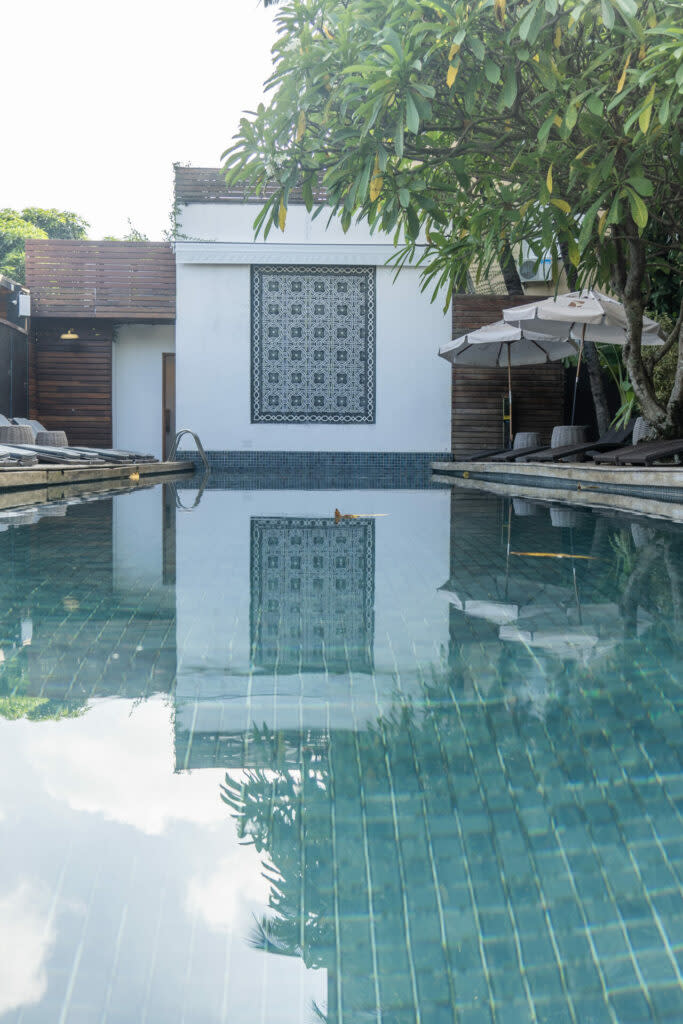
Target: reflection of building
column 90, row 582
column 312, row 587
column 301, row 625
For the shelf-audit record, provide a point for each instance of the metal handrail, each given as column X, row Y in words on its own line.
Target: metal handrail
column 200, row 447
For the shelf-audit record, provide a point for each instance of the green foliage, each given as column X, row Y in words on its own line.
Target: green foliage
column 16, row 227
column 57, row 223
column 474, row 126
column 13, row 231
column 38, row 708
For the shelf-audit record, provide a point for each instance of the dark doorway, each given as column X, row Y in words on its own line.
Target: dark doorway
column 168, row 391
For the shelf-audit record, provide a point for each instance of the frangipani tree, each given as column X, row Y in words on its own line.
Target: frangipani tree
column 478, row 126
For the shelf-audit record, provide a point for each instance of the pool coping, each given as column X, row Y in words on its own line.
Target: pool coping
column 18, row 478
column 652, row 491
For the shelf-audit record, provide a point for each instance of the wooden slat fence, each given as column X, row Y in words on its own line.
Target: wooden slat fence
column 207, row 185
column 111, row 280
column 72, row 383
column 477, row 394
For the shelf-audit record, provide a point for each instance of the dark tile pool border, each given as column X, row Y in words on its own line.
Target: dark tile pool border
column 258, row 470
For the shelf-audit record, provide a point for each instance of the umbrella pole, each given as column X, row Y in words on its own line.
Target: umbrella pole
column 509, row 399
column 578, row 368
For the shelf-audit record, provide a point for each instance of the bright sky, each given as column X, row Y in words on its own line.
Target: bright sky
column 101, row 99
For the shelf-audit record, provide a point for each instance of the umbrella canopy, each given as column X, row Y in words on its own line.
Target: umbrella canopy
column 587, row 316
column 502, row 344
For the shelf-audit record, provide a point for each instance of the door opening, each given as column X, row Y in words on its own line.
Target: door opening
column 168, row 402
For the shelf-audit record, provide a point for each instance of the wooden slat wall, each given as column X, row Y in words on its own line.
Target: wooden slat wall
column 72, row 382
column 120, row 280
column 537, row 391
column 207, row 185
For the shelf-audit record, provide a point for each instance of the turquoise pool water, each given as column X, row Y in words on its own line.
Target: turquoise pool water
column 261, row 765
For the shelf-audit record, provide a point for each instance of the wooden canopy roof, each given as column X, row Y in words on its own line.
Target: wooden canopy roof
column 207, row 185
column 106, row 280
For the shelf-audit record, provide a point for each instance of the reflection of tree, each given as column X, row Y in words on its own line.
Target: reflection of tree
column 279, row 811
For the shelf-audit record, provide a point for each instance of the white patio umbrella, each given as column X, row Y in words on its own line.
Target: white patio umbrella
column 502, row 344
column 589, row 315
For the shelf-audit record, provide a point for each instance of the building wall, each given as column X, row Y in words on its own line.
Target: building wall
column 214, row 369
column 137, row 385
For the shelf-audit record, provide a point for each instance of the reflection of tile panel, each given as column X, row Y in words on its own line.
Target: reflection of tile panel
column 313, row 344
column 312, row 594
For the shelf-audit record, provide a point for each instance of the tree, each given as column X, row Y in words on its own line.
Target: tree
column 33, row 222
column 484, row 125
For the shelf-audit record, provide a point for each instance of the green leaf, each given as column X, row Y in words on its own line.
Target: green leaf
column 607, row 14
column 509, row 93
column 492, row 71
column 404, row 197
column 643, row 186
column 412, row 116
column 398, row 136
column 664, row 107
column 544, row 131
column 572, row 116
column 595, row 105
column 477, row 47
column 525, row 24
column 638, row 209
column 628, row 8
column 587, row 224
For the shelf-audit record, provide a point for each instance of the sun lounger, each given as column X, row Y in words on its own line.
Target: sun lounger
column 612, row 439
column 643, row 454
column 58, row 438
column 523, row 439
column 514, row 454
column 17, row 457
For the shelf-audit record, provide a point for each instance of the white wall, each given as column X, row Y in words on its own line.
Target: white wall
column 137, row 385
column 234, row 222
column 214, row 369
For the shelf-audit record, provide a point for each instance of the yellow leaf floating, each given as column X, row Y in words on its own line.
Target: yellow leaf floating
column 282, row 215
column 622, row 81
column 499, row 9
column 376, row 182
column 454, row 51
column 300, row 127
column 558, row 38
column 549, row 179
column 452, row 74
column 644, row 119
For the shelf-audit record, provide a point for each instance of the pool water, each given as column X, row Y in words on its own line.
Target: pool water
column 259, row 763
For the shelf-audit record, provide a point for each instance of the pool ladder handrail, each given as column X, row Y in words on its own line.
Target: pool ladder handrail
column 200, row 446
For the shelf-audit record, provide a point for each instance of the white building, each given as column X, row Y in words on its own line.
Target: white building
column 303, row 342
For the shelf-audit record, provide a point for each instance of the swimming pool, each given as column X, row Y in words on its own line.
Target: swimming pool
column 258, row 763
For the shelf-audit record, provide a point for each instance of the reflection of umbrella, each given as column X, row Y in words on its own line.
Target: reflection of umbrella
column 502, row 344
column 588, row 315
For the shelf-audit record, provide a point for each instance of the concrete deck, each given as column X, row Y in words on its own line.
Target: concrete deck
column 654, row 491
column 47, row 476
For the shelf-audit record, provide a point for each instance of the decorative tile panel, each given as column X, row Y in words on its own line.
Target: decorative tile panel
column 312, row 594
column 313, row 344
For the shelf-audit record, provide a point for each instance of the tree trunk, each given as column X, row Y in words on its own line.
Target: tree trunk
column 590, row 355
